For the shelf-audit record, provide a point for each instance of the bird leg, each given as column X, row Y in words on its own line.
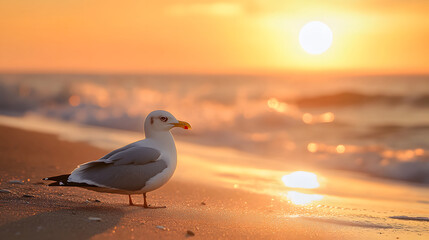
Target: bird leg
column 130, row 200
column 145, row 205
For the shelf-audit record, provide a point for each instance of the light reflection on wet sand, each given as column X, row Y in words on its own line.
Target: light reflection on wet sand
column 298, row 198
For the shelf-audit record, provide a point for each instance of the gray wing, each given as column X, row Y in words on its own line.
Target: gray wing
column 131, row 155
column 127, row 168
column 117, row 150
column 124, row 177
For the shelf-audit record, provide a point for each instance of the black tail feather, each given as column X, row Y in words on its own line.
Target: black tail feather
column 62, row 180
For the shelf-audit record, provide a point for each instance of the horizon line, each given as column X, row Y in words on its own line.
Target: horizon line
column 329, row 73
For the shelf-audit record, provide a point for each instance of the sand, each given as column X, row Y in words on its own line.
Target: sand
column 194, row 210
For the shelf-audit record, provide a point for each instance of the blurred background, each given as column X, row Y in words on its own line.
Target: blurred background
column 238, row 71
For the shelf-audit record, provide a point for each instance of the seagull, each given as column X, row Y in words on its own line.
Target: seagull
column 136, row 168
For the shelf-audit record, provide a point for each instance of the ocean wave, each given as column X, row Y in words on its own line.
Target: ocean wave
column 11, row 101
column 412, row 171
column 348, row 99
column 244, row 114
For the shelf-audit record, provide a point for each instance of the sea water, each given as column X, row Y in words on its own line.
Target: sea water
column 378, row 125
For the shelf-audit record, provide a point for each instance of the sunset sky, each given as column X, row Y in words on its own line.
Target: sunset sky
column 260, row 36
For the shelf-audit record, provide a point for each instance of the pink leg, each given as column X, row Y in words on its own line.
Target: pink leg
column 145, row 205
column 130, row 200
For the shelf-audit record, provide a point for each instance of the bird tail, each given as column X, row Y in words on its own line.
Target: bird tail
column 60, row 180
column 64, row 177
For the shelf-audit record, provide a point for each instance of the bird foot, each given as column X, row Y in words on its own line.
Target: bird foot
column 153, row 207
column 146, row 206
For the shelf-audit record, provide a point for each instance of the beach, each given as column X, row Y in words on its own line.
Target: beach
column 194, row 209
column 63, row 212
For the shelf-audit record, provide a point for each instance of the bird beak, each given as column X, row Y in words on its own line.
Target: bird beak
column 182, row 124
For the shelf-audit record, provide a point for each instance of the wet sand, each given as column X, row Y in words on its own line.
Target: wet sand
column 33, row 210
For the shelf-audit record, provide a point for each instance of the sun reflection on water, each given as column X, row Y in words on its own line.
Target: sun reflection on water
column 312, row 147
column 298, row 198
column 301, row 179
column 340, row 149
column 273, row 103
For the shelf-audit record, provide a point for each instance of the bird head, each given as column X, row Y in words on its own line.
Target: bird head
column 160, row 120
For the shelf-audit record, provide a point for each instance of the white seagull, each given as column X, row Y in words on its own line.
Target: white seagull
column 137, row 168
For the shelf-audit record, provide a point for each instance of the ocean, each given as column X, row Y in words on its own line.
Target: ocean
column 377, row 125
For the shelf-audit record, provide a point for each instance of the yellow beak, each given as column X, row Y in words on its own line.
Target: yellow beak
column 182, row 124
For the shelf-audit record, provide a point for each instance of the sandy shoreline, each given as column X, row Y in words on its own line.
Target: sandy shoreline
column 208, row 212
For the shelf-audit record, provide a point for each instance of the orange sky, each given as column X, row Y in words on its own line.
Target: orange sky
column 173, row 36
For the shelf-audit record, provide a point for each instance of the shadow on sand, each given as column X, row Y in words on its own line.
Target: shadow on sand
column 72, row 223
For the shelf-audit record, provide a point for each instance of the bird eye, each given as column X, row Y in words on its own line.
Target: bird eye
column 164, row 119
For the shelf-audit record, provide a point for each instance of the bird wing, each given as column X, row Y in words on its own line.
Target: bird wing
column 127, row 168
column 132, row 154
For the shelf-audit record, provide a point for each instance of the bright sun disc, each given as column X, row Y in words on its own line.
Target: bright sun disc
column 315, row 37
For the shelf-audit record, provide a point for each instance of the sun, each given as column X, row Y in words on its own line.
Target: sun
column 315, row 37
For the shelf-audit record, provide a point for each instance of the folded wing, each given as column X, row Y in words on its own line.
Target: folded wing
column 127, row 168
